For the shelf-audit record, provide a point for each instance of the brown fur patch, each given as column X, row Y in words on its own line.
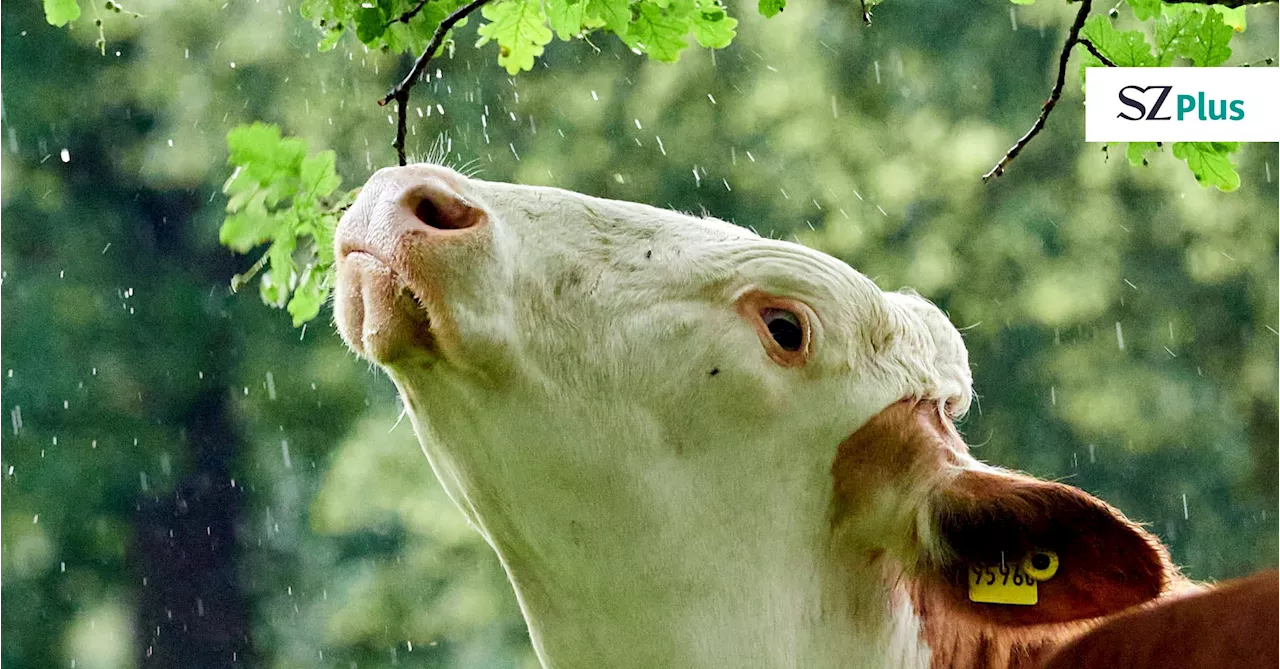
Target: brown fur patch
column 1236, row 625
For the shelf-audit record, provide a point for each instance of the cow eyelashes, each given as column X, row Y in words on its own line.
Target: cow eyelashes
column 785, row 328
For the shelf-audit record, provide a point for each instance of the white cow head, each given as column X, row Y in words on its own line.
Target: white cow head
column 641, row 411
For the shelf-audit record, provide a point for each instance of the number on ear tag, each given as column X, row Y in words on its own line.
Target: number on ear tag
column 1002, row 584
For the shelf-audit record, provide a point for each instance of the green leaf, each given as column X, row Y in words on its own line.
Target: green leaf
column 318, row 175
column 61, row 12
column 520, row 29
column 330, row 40
column 566, row 18
column 616, row 14
column 1137, row 152
column 248, row 227
column 265, row 160
column 1124, row 48
column 1234, row 17
column 771, row 8
column 1209, row 163
column 275, row 284
column 713, row 28
column 659, row 32
column 309, row 296
column 370, row 24
column 1146, row 9
column 1174, row 26
column 1205, row 41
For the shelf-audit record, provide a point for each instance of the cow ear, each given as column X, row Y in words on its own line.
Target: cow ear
column 983, row 516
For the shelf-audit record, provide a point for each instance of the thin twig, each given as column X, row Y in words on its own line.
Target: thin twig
column 1088, row 46
column 404, row 18
column 1073, row 37
column 401, row 91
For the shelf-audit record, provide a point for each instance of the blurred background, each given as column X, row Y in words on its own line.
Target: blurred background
column 188, row 481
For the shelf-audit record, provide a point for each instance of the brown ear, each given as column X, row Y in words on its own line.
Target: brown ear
column 988, row 516
column 905, row 483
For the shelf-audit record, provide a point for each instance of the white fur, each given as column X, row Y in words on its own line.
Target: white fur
column 648, row 513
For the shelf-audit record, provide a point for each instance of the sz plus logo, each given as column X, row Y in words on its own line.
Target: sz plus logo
column 1147, row 103
column 1182, row 104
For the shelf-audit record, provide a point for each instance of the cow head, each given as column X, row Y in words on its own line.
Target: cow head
column 640, row 410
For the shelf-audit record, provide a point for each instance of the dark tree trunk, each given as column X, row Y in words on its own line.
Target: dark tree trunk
column 192, row 612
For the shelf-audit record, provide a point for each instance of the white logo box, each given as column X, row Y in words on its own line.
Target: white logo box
column 1251, row 92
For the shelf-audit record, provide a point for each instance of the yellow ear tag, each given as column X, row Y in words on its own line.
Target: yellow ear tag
column 1012, row 584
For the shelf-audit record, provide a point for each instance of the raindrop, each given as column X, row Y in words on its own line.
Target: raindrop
column 1119, row 336
column 66, row 156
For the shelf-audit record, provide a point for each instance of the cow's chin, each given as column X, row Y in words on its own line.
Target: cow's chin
column 378, row 316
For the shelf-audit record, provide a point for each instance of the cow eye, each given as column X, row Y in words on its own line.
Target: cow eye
column 785, row 328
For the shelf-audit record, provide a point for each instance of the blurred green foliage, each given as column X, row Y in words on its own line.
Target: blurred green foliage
column 187, row 480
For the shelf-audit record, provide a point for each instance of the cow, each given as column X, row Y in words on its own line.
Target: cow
column 1234, row 625
column 694, row 447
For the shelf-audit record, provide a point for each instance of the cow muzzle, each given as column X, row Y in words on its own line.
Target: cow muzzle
column 410, row 233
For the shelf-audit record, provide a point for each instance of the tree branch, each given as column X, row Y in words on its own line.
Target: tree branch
column 1088, row 46
column 1073, row 38
column 404, row 18
column 401, row 91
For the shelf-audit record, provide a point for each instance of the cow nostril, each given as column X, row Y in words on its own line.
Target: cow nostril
column 445, row 211
column 437, row 217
